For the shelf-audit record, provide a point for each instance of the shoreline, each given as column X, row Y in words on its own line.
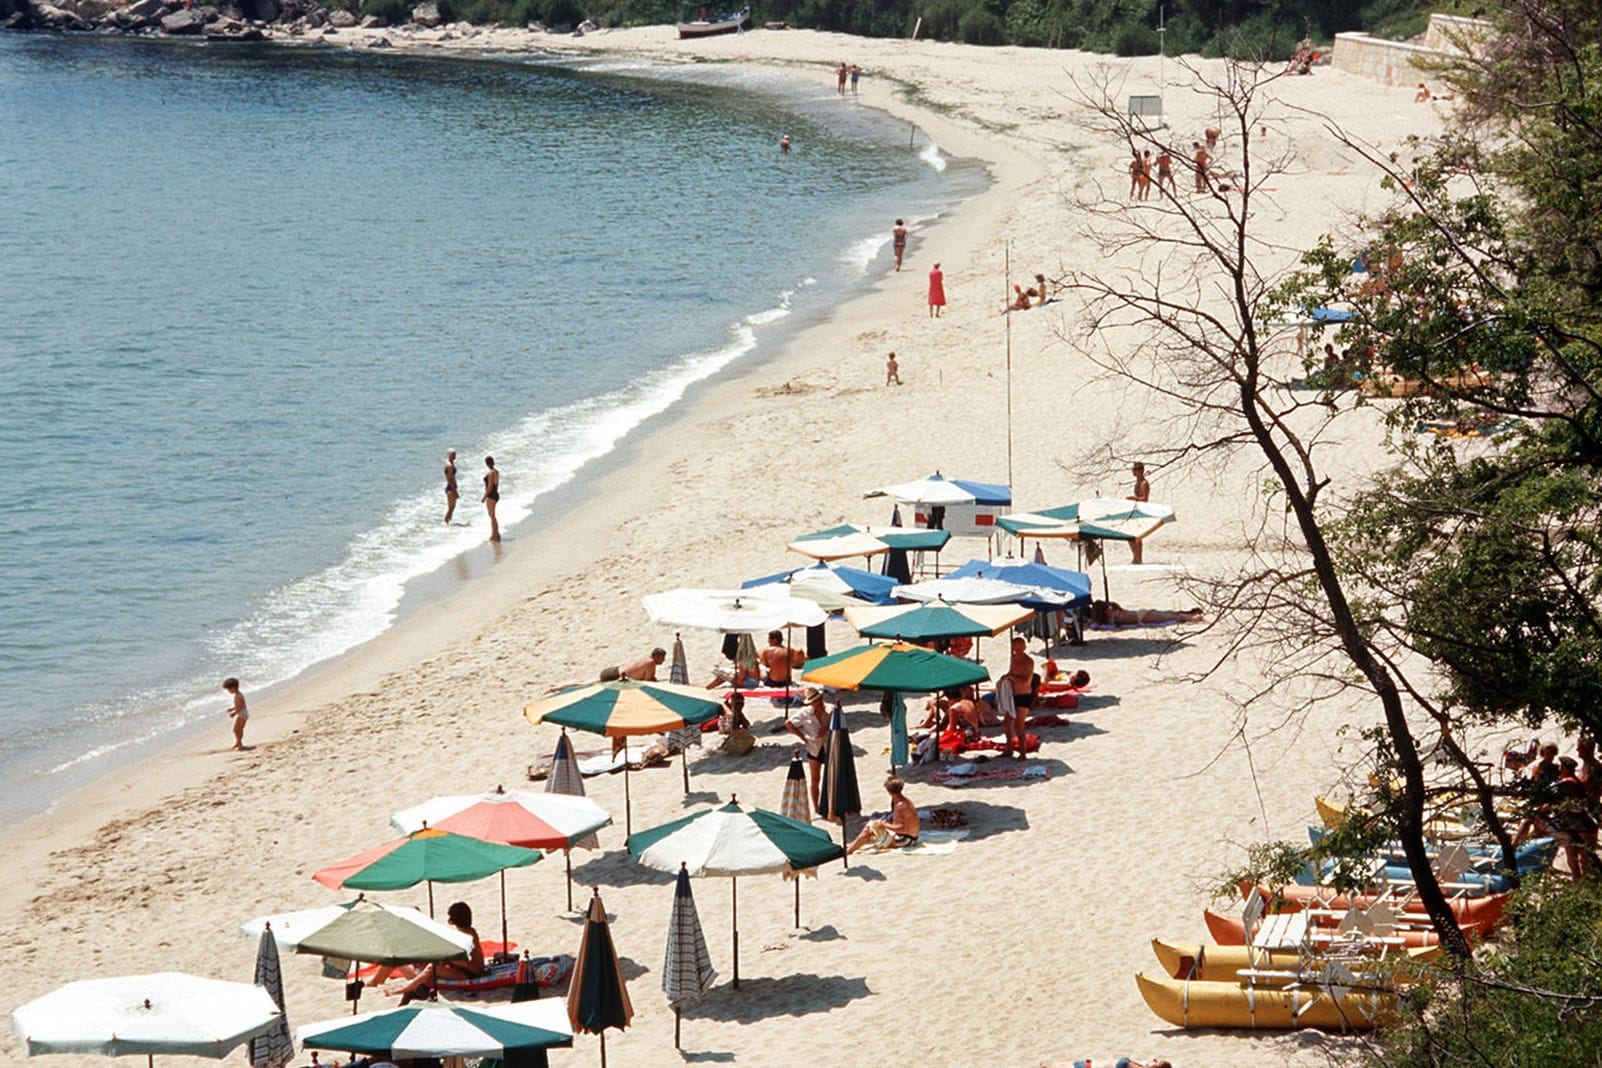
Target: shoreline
column 1064, row 880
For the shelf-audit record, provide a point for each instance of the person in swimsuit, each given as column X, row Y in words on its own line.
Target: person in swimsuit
column 461, row 918
column 784, row 145
column 856, row 72
column 492, row 496
column 892, row 371
column 897, row 832
column 1141, row 492
column 450, row 485
column 1165, row 171
column 811, row 724
column 898, row 241
column 237, row 711
column 1021, row 673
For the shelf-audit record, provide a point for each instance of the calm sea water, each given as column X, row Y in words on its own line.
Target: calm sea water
column 253, row 295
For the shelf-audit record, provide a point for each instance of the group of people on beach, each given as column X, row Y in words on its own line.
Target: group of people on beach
column 1147, row 171
column 491, row 497
column 848, row 74
column 1565, row 795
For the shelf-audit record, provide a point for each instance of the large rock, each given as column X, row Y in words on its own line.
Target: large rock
column 180, row 23
column 314, row 18
column 144, row 12
column 427, row 15
column 341, row 19
column 57, row 18
column 93, row 10
column 374, row 22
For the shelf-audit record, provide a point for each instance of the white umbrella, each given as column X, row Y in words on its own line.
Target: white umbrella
column 129, row 1015
column 935, row 490
column 976, row 590
column 751, row 611
column 289, row 928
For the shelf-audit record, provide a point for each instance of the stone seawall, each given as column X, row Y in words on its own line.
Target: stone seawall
column 1405, row 62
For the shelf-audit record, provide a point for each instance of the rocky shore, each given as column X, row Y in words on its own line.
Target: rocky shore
column 233, row 20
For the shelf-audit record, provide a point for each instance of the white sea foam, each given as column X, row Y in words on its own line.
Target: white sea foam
column 860, row 254
column 931, row 155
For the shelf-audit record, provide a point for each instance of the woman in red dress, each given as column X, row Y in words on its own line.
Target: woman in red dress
column 937, row 291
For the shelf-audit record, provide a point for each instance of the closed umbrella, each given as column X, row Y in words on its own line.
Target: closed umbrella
column 733, row 841
column 430, row 856
column 134, row 1015
column 684, row 737
column 796, row 805
column 625, row 708
column 687, row 971
column 420, row 1031
column 514, row 817
column 274, row 1048
column 838, row 796
column 597, row 997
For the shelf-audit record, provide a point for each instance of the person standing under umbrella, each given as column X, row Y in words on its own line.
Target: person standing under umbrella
column 1142, row 492
column 811, row 725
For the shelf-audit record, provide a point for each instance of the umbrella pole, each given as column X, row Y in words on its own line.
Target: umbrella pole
column 431, row 899
column 1105, row 594
column 503, row 910
column 567, row 855
column 628, row 809
column 798, row 900
column 603, row 1048
column 734, row 913
column 684, row 762
column 676, row 1016
column 845, row 841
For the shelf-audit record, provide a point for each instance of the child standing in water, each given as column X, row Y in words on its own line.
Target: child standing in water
column 237, row 711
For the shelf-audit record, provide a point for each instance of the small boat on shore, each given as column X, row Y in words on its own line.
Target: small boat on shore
column 1209, row 1003
column 739, row 20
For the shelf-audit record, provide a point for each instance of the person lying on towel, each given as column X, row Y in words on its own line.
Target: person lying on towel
column 1113, row 614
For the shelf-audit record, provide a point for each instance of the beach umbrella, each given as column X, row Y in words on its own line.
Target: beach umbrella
column 289, row 927
column 684, row 737
column 431, row 856
column 796, row 805
column 936, row 619
column 842, row 542
column 513, row 817
column 564, row 778
column 371, row 933
column 597, row 997
column 744, row 611
column 894, row 666
column 274, row 1048
column 732, row 840
column 687, row 971
column 1036, row 576
column 143, row 1015
column 625, row 708
column 980, row 589
column 838, row 796
column 833, row 586
column 433, row 1030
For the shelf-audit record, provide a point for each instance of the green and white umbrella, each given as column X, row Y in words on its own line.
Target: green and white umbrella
column 143, row 1015
column 732, row 840
column 432, row 1030
column 937, row 619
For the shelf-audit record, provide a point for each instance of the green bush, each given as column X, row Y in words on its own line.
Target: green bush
column 396, row 12
column 1134, row 39
column 981, row 27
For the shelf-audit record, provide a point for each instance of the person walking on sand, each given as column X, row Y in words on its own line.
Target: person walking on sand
column 237, row 711
column 937, row 291
column 856, row 72
column 492, row 496
column 892, row 371
column 1201, row 160
column 450, row 485
column 1141, row 492
column 1021, row 676
column 841, row 75
column 898, row 241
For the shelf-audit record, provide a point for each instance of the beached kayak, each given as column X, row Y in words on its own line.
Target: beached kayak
column 1231, row 931
column 1484, row 911
column 1196, row 1003
column 1191, row 960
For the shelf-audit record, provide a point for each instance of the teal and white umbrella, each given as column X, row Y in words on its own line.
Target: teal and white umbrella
column 434, row 1030
column 733, row 840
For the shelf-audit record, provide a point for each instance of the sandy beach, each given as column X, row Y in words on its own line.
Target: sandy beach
column 1019, row 946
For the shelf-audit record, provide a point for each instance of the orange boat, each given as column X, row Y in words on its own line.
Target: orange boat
column 1231, row 931
column 1484, row 912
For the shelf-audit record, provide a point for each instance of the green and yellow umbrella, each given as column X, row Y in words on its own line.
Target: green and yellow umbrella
column 625, row 708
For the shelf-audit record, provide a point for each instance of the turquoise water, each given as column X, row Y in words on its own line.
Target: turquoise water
column 253, row 295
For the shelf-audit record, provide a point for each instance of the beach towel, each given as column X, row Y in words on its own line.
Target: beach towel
column 1048, row 720
column 1015, row 773
column 1131, row 626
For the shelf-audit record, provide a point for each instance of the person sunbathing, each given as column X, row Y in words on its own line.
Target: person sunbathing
column 461, row 918
column 900, row 830
column 1113, row 614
